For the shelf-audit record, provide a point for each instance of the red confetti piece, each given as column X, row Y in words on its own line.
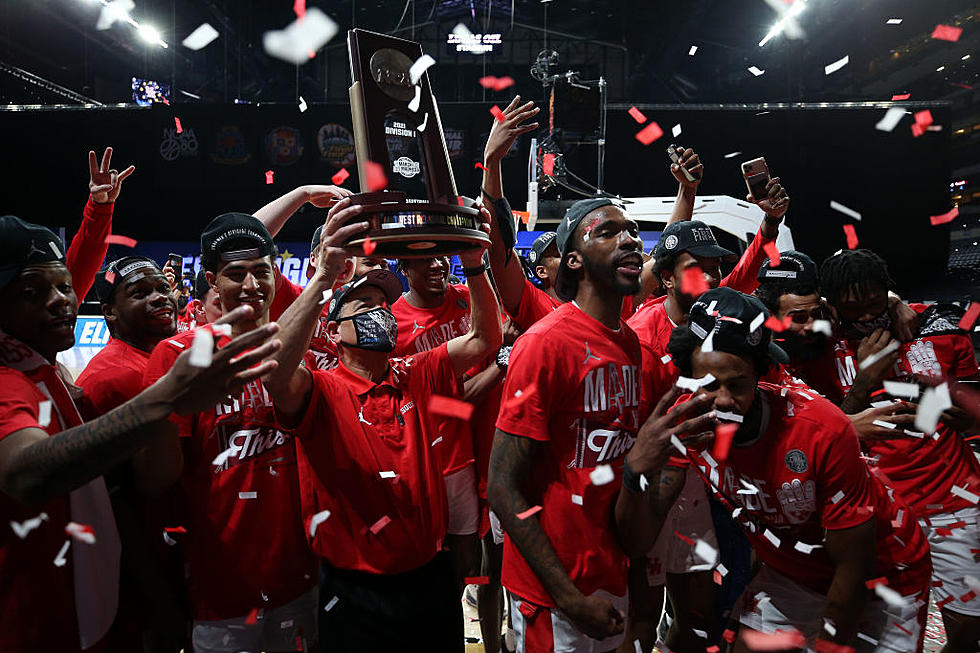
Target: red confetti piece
column 381, row 523
column 772, row 252
column 723, row 441
column 376, row 179
column 684, row 538
column 852, row 237
column 728, row 635
column 775, row 324
column 480, row 166
column 717, row 577
column 299, row 7
column 180, row 128
column 496, row 83
column 918, row 130
column 650, row 133
column 81, row 532
column 115, row 239
column 947, row 33
column 449, row 407
column 110, row 276
column 693, row 283
column 943, row 218
column 943, row 532
column 268, row 176
column 823, row 646
column 460, row 201
column 923, row 117
column 548, row 164
column 369, row 246
column 523, row 215
column 970, row 317
column 165, row 100
column 637, row 115
column 340, row 177
column 874, row 582
column 941, row 604
column 969, row 596
column 497, row 113
column 477, row 580
column 253, row 616
column 530, row 511
column 175, row 529
column 777, row 641
column 905, row 96
column 712, row 649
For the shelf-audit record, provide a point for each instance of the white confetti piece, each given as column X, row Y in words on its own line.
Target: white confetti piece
column 824, row 327
column 81, row 532
column 870, row 640
column 436, row 441
column 577, row 499
column 169, row 540
column 692, row 51
column 288, row 623
column 829, row 627
column 965, row 494
column 893, row 21
column 665, row 359
column 388, row 474
column 803, row 547
column 914, row 434
column 418, row 68
column 706, row 552
column 883, row 424
column 413, row 105
column 889, row 596
column 678, row 445
column 899, row 517
column 44, row 413
column 318, row 519
column 178, row 345
column 201, row 348
column 302, row 105
column 731, row 155
column 300, row 38
column 220, row 329
column 756, row 71
column 329, row 606
column 891, row 119
column 200, row 37
column 837, row 497
column 899, row 389
column 425, row 122
column 694, row 384
column 327, row 294
column 222, row 457
column 837, row 206
column 722, row 570
column 700, row 633
column 248, row 495
column 972, row 582
column 757, row 322
column 23, row 528
column 728, row 417
column 676, row 130
column 60, row 560
column 878, row 355
column 709, row 343
column 712, row 463
column 931, row 406
column 737, row 512
column 837, row 65
column 601, row 475
column 769, row 535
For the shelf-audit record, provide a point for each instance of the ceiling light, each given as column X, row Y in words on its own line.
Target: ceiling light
column 149, row 33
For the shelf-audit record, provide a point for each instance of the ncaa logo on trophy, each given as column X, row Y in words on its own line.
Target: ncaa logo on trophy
column 397, row 126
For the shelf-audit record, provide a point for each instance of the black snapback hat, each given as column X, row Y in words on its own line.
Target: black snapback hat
column 383, row 279
column 793, row 266
column 538, row 247
column 23, row 243
column 691, row 236
column 234, row 237
column 734, row 322
column 565, row 283
column 115, row 274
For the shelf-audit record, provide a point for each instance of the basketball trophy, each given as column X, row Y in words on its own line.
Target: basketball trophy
column 397, row 126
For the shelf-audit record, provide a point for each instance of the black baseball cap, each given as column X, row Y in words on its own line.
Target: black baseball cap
column 113, row 275
column 234, row 237
column 383, row 279
column 22, row 244
column 315, row 241
column 691, row 236
column 793, row 266
column 538, row 247
column 736, row 322
column 201, row 285
column 565, row 284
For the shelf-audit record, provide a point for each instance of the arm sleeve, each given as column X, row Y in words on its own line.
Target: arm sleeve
column 845, row 498
column 161, row 360
column 529, row 395
column 88, row 248
column 743, row 277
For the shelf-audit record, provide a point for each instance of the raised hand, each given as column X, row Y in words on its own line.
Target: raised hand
column 505, row 132
column 872, row 344
column 652, row 448
column 324, row 196
column 896, row 413
column 337, row 230
column 688, row 159
column 776, row 200
column 104, row 183
column 474, row 257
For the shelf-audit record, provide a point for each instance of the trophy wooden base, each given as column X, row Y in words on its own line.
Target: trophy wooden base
column 400, row 229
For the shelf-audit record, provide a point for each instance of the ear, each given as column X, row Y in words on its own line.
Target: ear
column 667, row 279
column 574, row 261
column 333, row 332
column 211, row 279
column 109, row 313
column 541, row 271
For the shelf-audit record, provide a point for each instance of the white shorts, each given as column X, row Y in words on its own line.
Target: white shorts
column 464, row 502
column 496, row 528
column 773, row 601
column 952, row 559
column 290, row 627
column 541, row 630
column 691, row 517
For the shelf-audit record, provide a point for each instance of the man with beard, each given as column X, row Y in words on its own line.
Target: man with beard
column 51, row 462
column 825, row 529
column 559, row 479
column 374, row 499
column 687, row 260
column 251, row 577
column 936, row 473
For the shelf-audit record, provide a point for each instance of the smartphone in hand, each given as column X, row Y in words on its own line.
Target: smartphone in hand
column 756, row 174
column 176, row 262
column 676, row 159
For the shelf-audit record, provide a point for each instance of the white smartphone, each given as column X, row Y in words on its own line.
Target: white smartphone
column 756, row 174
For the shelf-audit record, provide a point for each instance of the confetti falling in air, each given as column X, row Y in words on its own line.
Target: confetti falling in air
column 731, row 155
column 449, row 407
column 693, row 283
column 299, row 8
column 964, row 494
column 202, row 348
column 376, row 179
column 891, row 119
column 943, row 218
column 903, row 96
column 923, row 118
column 496, row 83
column 602, row 475
column 947, row 33
column 477, row 580
column 302, row 105
column 693, row 384
column 724, row 433
column 851, row 235
column 60, row 560
column 301, row 39
column 44, row 413
column 675, row 130
column 318, row 519
column 22, row 529
column 805, row 548
column 369, row 246
column 203, row 35
column 388, row 474
column 772, row 252
column 548, row 164
column 115, row 239
column 871, row 359
column 533, row 510
column 637, row 115
column 81, row 532
column 269, row 174
column 418, row 68
column 332, row 602
column 837, row 206
column 824, row 327
column 413, row 105
column 340, row 177
column 665, row 359
column 970, row 317
column 837, row 65
column 777, row 641
column 577, row 499
column 650, row 133
column 377, row 526
column 497, row 113
column 110, row 276
column 900, row 389
column 180, row 128
column 174, row 529
column 931, row 406
column 837, row 497
column 248, row 495
column 480, row 166
column 774, row 324
column 755, row 70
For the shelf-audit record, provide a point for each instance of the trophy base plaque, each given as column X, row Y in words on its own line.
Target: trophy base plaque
column 401, row 229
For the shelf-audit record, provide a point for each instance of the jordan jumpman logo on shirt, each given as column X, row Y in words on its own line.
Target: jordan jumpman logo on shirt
column 589, row 354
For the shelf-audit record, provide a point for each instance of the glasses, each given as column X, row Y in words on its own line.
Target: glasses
column 802, row 317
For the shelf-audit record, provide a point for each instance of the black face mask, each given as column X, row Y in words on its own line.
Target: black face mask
column 863, row 328
column 376, row 330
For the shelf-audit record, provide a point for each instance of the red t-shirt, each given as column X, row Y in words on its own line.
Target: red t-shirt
column 187, row 320
column 536, row 304
column 652, row 326
column 573, row 385
column 37, row 602
column 113, row 376
column 286, row 294
column 353, row 436
column 808, row 471
column 322, row 354
column 422, row 329
column 245, row 545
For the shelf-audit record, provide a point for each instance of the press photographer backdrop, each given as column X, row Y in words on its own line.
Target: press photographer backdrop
column 219, row 162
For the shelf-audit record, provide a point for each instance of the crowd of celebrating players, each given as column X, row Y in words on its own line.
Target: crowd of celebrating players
column 778, row 453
